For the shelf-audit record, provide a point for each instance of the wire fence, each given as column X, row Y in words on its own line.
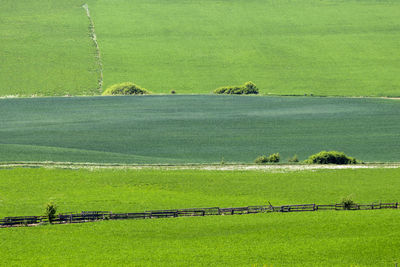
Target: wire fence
column 90, row 216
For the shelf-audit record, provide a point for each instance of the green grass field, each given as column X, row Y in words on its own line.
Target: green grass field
column 347, row 48
column 196, row 129
column 26, row 191
column 334, row 238
column 329, row 47
column 45, row 49
column 362, row 238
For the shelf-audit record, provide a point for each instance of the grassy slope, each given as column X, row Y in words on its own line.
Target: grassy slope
column 286, row 47
column 202, row 129
column 322, row 238
column 25, row 191
column 45, row 49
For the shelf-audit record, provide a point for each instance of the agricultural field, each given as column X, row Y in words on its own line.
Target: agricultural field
column 334, row 238
column 361, row 238
column 196, row 129
column 24, row 191
column 334, row 48
column 45, row 49
column 328, row 79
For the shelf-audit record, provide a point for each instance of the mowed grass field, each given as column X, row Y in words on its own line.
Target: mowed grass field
column 347, row 48
column 196, row 129
column 46, row 49
column 325, row 238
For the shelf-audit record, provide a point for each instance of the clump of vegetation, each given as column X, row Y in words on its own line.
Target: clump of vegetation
column 295, row 158
column 173, row 92
column 347, row 202
column 330, row 157
column 246, row 89
column 126, row 88
column 273, row 158
column 50, row 211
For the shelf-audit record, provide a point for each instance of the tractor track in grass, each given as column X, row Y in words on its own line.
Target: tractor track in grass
column 96, row 44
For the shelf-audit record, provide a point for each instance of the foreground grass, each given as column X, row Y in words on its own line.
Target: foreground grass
column 330, row 47
column 359, row 238
column 25, row 191
column 45, row 49
column 196, row 129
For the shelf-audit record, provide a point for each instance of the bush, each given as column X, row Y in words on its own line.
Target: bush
column 247, row 89
column 330, row 157
column 173, row 92
column 347, row 202
column 126, row 88
column 273, row 158
column 250, row 88
column 261, row 160
column 50, row 211
column 295, row 158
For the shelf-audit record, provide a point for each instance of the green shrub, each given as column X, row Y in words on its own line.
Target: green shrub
column 50, row 211
column 330, row 157
column 247, row 89
column 126, row 88
column 295, row 158
column 347, row 202
column 261, row 160
column 250, row 88
column 273, row 158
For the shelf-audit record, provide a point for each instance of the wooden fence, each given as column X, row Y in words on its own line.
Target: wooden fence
column 88, row 216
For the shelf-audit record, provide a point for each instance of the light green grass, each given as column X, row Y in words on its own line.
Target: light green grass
column 324, row 238
column 331, row 47
column 46, row 49
column 360, row 238
column 26, row 191
column 196, row 129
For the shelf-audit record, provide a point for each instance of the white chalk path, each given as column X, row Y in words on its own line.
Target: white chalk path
column 96, row 44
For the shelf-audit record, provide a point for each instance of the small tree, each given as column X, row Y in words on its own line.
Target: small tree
column 50, row 211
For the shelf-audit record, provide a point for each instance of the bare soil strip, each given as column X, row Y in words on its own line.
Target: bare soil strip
column 96, row 44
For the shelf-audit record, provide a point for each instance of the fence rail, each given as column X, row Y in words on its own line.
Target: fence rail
column 89, row 216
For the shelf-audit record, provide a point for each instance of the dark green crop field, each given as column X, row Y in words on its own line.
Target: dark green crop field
column 346, row 48
column 196, row 129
